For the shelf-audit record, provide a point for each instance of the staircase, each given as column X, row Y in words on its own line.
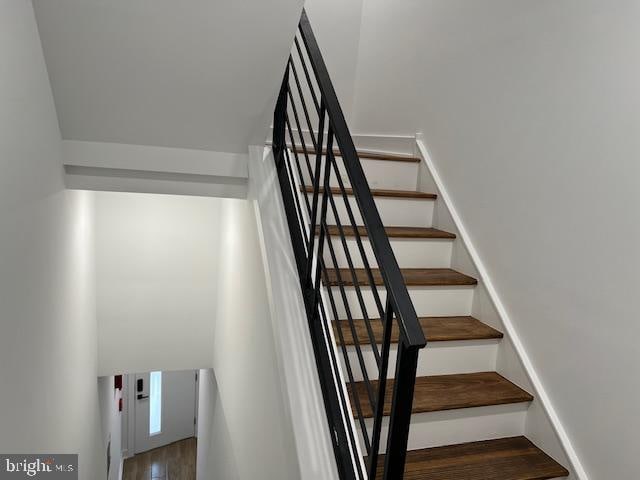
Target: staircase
column 377, row 281
column 424, row 255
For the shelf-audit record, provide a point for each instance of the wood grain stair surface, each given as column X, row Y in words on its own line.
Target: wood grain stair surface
column 391, row 157
column 395, row 232
column 379, row 192
column 514, row 458
column 417, row 277
column 436, row 329
column 447, row 392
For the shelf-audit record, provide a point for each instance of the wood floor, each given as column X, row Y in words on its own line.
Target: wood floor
column 176, row 461
column 379, row 192
column 413, row 277
column 447, row 392
column 393, row 232
column 437, row 329
column 501, row 459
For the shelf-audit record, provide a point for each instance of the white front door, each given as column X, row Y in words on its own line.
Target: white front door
column 165, row 408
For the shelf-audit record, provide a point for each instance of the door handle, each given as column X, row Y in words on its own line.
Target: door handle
column 142, row 397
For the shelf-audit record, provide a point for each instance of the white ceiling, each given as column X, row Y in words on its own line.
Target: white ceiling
column 197, row 74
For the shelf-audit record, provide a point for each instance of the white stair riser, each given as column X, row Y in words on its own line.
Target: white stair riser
column 463, row 425
column 380, row 173
column 438, row 358
column 428, row 301
column 391, row 175
column 418, row 253
column 403, row 212
column 333, row 181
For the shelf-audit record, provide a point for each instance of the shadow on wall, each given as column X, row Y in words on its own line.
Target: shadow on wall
column 214, row 437
column 111, row 420
column 249, row 395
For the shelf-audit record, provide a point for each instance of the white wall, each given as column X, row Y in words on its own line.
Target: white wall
column 294, row 351
column 244, row 428
column 48, row 363
column 157, row 280
column 214, row 436
column 111, row 420
column 336, row 24
column 530, row 112
column 181, row 285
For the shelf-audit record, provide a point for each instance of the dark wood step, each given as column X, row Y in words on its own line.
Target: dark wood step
column 447, row 392
column 391, row 157
column 514, row 458
column 423, row 277
column 436, row 329
column 379, row 192
column 395, row 232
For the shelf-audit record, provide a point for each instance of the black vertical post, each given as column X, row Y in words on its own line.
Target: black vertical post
column 279, row 147
column 279, row 122
column 316, row 189
column 323, row 213
column 382, row 387
column 401, row 408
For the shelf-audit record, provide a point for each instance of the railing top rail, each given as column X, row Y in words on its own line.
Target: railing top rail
column 410, row 329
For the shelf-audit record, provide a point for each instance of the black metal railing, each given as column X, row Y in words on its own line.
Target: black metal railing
column 337, row 235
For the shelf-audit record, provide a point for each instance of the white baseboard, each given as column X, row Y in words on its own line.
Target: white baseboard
column 539, row 390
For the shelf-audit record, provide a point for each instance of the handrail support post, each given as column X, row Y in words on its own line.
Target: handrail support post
column 401, row 408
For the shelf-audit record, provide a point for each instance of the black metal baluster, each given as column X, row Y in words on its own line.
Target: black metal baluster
column 306, row 74
column 299, row 168
column 300, row 133
column 343, row 400
column 323, row 208
column 401, row 405
column 306, row 156
column 321, row 241
column 372, row 283
column 304, row 105
column 279, row 147
column 345, row 301
column 295, row 197
column 382, row 388
column 345, row 354
column 356, row 283
column 316, row 191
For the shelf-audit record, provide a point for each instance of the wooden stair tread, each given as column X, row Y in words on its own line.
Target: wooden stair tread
column 427, row 277
column 514, row 458
column 395, row 232
column 391, row 157
column 379, row 192
column 447, row 392
column 437, row 329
